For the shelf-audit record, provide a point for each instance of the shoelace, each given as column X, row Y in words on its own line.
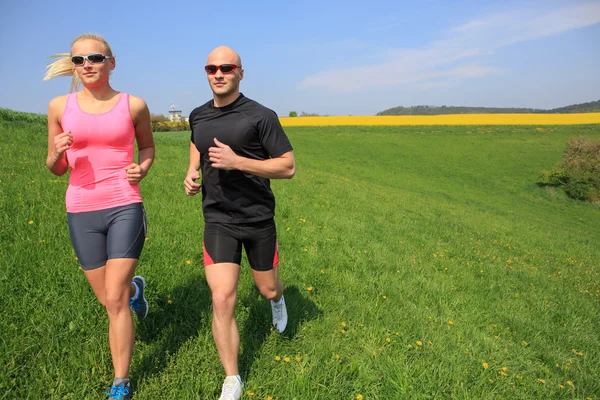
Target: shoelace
column 134, row 304
column 116, row 391
column 228, row 390
column 278, row 311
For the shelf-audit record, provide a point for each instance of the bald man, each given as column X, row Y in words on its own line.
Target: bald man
column 239, row 145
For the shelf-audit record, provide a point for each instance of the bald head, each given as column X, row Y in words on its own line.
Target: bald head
column 224, row 55
column 225, row 85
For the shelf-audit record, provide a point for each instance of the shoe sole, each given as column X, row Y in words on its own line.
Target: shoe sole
column 143, row 294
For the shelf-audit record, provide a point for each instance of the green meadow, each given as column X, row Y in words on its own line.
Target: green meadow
column 419, row 263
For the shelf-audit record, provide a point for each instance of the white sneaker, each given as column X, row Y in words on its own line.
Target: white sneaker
column 232, row 389
column 279, row 315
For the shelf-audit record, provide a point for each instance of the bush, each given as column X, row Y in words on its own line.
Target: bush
column 158, row 118
column 168, row 126
column 579, row 172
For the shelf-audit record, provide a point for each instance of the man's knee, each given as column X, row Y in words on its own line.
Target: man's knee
column 269, row 292
column 223, row 303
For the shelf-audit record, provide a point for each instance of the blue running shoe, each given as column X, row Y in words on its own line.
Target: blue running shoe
column 139, row 305
column 118, row 393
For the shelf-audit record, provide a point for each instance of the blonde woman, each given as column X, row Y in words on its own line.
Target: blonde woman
column 91, row 133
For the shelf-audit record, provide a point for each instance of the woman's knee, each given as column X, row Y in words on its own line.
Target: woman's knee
column 116, row 302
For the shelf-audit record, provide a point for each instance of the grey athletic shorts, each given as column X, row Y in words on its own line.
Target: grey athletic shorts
column 98, row 236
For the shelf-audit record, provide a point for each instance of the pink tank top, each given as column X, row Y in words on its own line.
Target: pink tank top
column 103, row 145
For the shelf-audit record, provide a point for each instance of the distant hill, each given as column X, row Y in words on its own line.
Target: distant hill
column 592, row 106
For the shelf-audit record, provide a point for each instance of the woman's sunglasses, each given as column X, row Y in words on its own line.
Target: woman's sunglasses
column 95, row 58
column 225, row 68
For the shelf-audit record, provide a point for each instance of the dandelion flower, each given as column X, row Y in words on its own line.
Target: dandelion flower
column 250, row 393
column 485, row 365
column 30, row 222
column 277, row 358
column 450, row 323
column 344, row 324
column 359, row 397
column 388, row 340
column 419, row 343
column 504, row 369
column 540, row 380
column 188, row 262
column 286, row 359
column 310, row 288
column 298, row 358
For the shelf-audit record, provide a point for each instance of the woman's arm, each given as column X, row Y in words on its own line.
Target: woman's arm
column 145, row 141
column 58, row 141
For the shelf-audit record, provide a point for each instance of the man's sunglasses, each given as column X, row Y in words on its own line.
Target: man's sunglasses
column 95, row 58
column 225, row 68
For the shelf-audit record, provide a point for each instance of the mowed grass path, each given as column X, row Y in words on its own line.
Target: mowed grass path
column 420, row 263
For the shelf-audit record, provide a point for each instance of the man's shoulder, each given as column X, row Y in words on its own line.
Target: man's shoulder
column 200, row 109
column 255, row 108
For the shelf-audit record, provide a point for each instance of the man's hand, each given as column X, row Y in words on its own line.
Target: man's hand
column 221, row 156
column 191, row 187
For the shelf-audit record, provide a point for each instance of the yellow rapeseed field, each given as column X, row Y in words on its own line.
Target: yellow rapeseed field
column 454, row 119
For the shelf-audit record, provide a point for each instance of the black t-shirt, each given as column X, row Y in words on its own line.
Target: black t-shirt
column 252, row 131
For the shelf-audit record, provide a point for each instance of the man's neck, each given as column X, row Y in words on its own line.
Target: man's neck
column 223, row 101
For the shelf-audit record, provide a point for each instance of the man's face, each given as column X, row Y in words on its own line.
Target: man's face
column 224, row 83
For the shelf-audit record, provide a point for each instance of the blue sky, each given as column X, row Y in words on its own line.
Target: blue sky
column 334, row 57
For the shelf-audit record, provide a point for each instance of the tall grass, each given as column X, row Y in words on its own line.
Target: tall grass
column 420, row 263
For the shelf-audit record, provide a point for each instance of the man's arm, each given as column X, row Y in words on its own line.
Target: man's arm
column 191, row 187
column 283, row 167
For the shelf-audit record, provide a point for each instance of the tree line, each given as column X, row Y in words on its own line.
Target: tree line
column 593, row 106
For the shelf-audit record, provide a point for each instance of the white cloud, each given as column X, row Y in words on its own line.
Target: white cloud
column 459, row 45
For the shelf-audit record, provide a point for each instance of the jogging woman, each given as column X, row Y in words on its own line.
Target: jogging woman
column 91, row 134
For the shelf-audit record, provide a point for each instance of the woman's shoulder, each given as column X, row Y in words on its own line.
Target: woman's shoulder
column 58, row 100
column 136, row 104
column 57, row 105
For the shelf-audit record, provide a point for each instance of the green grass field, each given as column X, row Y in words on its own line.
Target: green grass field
column 420, row 263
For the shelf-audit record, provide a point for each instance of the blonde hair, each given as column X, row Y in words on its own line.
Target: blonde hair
column 62, row 65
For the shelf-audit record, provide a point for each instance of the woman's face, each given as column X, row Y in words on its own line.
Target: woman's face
column 92, row 74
